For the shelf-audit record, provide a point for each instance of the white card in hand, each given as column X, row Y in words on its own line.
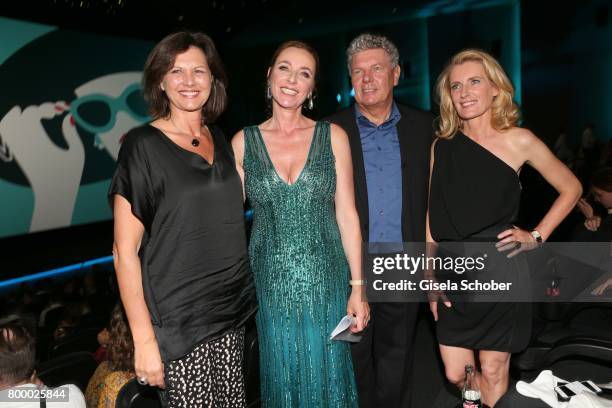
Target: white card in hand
column 343, row 332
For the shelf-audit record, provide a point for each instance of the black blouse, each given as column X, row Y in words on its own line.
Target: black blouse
column 195, row 270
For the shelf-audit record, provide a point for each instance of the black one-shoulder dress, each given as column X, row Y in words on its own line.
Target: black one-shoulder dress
column 474, row 196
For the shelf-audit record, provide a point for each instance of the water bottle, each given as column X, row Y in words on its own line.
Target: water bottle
column 470, row 395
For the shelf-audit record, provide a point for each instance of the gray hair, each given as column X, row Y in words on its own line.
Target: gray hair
column 369, row 41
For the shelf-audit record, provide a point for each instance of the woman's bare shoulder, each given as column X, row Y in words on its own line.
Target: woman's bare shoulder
column 521, row 138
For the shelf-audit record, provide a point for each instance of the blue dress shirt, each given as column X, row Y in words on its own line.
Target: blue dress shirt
column 383, row 168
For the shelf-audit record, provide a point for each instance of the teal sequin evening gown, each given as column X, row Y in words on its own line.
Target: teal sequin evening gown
column 301, row 276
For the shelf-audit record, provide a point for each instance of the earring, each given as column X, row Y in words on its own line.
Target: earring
column 268, row 92
column 310, row 102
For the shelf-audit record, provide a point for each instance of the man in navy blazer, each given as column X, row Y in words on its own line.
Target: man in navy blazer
column 390, row 145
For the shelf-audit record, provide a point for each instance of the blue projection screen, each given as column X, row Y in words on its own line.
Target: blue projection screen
column 66, row 100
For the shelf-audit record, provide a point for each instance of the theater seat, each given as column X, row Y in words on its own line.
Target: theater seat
column 540, row 357
column 575, row 342
column 74, row 368
column 565, row 332
column 134, row 395
column 81, row 340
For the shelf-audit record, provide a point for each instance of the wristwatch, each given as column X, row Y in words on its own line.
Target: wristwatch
column 538, row 237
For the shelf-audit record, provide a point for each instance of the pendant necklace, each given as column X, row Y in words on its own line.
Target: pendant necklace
column 195, row 142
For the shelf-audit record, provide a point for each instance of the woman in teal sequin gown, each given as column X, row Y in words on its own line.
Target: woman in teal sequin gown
column 304, row 241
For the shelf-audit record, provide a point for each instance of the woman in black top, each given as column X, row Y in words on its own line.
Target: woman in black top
column 474, row 196
column 180, row 245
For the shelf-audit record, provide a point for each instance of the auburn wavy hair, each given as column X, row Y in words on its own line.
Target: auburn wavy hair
column 120, row 347
column 504, row 112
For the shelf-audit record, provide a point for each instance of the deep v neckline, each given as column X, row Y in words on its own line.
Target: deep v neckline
column 306, row 162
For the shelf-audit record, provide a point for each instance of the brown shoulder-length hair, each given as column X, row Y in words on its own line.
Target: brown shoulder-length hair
column 504, row 112
column 120, row 349
column 160, row 61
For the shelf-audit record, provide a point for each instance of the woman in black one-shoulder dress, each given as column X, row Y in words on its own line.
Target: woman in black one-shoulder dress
column 474, row 196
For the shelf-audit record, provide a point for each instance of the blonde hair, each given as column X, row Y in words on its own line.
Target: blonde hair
column 504, row 112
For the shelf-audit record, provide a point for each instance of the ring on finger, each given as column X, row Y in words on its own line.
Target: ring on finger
column 517, row 244
column 142, row 380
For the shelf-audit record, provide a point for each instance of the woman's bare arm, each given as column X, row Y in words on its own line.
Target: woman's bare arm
column 348, row 223
column 128, row 233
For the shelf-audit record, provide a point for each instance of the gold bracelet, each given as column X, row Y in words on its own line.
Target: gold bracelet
column 357, row 282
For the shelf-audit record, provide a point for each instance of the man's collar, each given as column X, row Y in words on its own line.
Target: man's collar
column 394, row 116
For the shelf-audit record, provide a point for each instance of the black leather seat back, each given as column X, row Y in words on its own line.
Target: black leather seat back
column 73, row 368
column 134, row 395
column 81, row 340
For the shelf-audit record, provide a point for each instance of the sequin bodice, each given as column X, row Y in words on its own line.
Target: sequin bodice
column 294, row 226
